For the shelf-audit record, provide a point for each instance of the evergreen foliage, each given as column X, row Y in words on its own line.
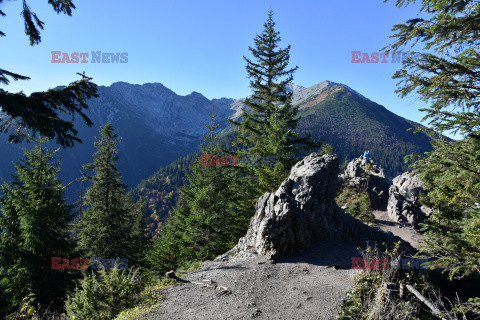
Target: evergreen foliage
column 447, row 77
column 34, row 224
column 111, row 226
column 104, row 294
column 267, row 128
column 42, row 112
column 207, row 220
column 451, row 174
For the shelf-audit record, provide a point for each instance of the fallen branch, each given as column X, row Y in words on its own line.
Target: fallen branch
column 432, row 307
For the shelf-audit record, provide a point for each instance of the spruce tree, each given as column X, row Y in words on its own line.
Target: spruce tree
column 447, row 78
column 43, row 112
column 215, row 222
column 266, row 128
column 207, row 220
column 112, row 226
column 34, row 224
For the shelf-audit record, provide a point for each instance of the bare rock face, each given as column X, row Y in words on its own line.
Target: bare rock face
column 370, row 178
column 303, row 211
column 403, row 204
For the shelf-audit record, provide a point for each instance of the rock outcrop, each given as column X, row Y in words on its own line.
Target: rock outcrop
column 303, row 211
column 370, row 178
column 403, row 205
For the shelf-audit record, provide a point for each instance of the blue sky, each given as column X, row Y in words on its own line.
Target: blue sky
column 198, row 45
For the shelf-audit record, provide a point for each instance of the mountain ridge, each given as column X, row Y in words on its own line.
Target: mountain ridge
column 347, row 120
column 158, row 126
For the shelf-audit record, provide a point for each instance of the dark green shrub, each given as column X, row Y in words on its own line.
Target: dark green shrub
column 357, row 203
column 102, row 295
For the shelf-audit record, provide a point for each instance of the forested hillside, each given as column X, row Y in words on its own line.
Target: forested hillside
column 157, row 126
column 161, row 191
column 346, row 120
column 351, row 124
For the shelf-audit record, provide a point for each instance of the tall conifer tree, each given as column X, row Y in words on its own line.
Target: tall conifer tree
column 447, row 78
column 112, row 226
column 266, row 129
column 34, row 224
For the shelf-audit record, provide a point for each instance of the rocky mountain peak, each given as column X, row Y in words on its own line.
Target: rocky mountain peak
column 317, row 92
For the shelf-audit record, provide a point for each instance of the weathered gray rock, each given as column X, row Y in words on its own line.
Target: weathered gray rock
column 403, row 203
column 370, row 178
column 303, row 211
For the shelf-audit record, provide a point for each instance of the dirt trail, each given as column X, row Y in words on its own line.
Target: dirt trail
column 383, row 221
column 299, row 286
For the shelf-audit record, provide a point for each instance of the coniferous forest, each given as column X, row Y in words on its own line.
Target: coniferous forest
column 105, row 255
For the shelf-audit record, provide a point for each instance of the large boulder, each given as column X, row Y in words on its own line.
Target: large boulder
column 369, row 177
column 403, row 203
column 303, row 211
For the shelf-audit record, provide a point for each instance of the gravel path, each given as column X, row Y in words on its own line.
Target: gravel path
column 299, row 286
column 383, row 221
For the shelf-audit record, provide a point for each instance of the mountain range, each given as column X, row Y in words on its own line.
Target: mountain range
column 348, row 121
column 159, row 126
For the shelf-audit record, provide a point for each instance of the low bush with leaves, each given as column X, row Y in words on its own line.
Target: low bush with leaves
column 357, row 203
column 104, row 294
column 150, row 298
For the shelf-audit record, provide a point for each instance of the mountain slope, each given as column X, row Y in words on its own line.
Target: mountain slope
column 346, row 120
column 352, row 124
column 157, row 126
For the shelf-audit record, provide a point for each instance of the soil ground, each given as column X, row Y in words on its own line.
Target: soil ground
column 383, row 221
column 299, row 286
